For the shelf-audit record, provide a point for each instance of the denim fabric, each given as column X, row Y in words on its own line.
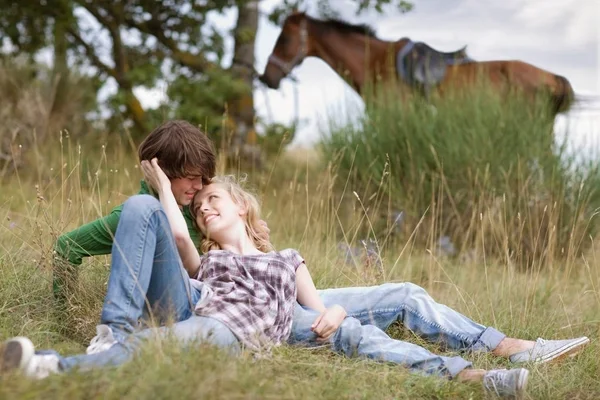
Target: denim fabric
column 371, row 310
column 146, row 270
column 193, row 330
column 412, row 306
column 356, row 340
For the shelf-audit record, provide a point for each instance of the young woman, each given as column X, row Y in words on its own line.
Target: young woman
column 246, row 294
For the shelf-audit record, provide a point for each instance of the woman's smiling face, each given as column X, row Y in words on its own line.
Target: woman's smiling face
column 216, row 211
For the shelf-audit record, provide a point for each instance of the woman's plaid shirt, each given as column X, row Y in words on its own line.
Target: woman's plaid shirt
column 254, row 295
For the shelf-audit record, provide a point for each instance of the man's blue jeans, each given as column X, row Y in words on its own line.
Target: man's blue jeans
column 147, row 275
column 371, row 310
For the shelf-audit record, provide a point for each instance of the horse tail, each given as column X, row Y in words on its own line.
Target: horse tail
column 563, row 94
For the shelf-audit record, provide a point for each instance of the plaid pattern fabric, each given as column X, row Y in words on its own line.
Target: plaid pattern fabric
column 254, row 295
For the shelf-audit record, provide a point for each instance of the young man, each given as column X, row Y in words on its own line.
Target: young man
column 188, row 158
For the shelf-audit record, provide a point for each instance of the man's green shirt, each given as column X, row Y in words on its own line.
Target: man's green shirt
column 96, row 238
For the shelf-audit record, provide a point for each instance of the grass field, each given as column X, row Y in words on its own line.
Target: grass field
column 67, row 185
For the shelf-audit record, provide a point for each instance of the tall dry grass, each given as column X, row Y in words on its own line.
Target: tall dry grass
column 480, row 171
column 347, row 231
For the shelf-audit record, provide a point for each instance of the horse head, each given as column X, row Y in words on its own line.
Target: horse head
column 291, row 47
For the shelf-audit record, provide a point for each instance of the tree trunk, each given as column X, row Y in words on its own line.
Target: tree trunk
column 60, row 73
column 241, row 109
column 136, row 113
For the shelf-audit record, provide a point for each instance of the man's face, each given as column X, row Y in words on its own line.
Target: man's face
column 185, row 188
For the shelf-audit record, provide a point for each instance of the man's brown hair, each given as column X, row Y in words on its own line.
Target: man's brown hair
column 181, row 149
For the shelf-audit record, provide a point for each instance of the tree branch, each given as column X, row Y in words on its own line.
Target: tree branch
column 112, row 26
column 91, row 53
column 196, row 62
column 132, row 104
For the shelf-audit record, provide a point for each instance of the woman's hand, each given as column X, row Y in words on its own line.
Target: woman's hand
column 155, row 176
column 328, row 322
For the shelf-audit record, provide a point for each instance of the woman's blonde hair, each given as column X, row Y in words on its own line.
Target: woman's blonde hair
column 242, row 197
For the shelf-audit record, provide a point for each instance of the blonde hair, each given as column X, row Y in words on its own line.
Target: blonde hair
column 241, row 196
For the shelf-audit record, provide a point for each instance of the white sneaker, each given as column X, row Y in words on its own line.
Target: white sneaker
column 19, row 354
column 103, row 340
column 548, row 350
column 505, row 383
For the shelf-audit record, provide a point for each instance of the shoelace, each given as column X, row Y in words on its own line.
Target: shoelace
column 100, row 343
column 93, row 344
column 96, row 344
column 496, row 380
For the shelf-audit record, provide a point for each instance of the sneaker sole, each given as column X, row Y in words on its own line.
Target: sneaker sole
column 15, row 354
column 568, row 351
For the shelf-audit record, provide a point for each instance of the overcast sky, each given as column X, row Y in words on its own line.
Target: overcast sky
column 561, row 36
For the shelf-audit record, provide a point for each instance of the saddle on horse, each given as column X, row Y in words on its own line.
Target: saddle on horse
column 424, row 67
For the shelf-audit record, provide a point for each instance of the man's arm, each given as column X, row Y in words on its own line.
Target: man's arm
column 92, row 239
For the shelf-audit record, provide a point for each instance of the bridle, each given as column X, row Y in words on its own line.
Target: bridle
column 287, row 67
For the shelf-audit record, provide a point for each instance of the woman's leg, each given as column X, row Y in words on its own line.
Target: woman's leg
column 354, row 339
column 146, row 269
column 412, row 306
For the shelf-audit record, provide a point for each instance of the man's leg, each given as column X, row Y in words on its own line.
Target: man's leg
column 412, row 306
column 19, row 353
column 196, row 329
column 146, row 269
column 64, row 281
column 354, row 339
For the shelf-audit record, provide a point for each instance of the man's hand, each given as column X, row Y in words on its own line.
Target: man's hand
column 155, row 176
column 328, row 322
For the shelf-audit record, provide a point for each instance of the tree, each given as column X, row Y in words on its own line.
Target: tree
column 141, row 38
column 139, row 43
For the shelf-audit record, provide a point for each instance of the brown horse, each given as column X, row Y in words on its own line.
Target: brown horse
column 360, row 58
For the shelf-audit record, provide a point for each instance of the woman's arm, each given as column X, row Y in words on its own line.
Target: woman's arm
column 155, row 176
column 330, row 318
column 307, row 292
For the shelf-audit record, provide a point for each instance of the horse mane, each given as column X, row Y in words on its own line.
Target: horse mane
column 347, row 27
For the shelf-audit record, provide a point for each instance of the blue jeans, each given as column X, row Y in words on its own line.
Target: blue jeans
column 148, row 280
column 371, row 310
column 193, row 330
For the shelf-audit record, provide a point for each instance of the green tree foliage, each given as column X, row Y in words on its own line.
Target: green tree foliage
column 134, row 43
column 141, row 43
